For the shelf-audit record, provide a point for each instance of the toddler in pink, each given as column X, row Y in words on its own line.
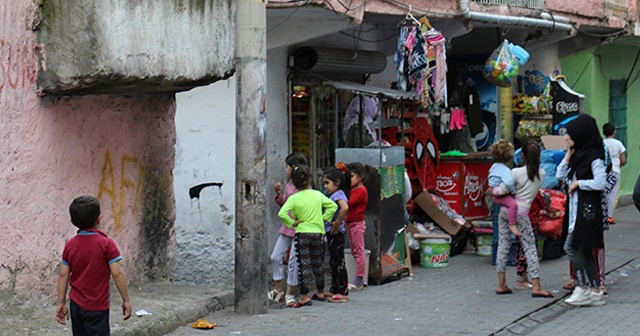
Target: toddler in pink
column 501, row 182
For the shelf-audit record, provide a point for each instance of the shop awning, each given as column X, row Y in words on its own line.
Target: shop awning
column 371, row 90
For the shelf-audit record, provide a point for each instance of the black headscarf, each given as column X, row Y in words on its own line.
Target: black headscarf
column 587, row 144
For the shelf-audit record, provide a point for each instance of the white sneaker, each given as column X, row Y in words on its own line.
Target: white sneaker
column 579, row 297
column 597, row 299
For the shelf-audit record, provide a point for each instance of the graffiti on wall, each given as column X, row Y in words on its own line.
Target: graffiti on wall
column 19, row 63
column 125, row 193
column 194, row 192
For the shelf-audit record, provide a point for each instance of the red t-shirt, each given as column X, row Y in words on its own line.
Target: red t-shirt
column 88, row 256
column 358, row 200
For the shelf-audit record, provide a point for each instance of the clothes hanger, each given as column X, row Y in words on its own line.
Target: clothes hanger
column 409, row 18
column 426, row 22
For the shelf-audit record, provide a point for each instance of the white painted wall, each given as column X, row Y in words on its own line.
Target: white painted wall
column 205, row 152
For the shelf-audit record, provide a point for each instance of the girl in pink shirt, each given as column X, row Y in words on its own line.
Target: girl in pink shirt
column 285, row 240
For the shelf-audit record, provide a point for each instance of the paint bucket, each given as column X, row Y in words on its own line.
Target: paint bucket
column 350, row 264
column 484, row 245
column 435, row 252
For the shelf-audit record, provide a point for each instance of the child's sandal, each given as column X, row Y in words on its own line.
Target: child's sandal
column 290, row 300
column 276, row 296
column 337, row 298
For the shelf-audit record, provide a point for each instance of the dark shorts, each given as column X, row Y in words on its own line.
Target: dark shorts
column 87, row 322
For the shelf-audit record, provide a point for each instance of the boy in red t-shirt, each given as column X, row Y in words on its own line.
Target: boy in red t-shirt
column 88, row 260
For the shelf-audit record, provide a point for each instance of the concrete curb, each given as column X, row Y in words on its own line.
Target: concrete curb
column 624, row 200
column 171, row 318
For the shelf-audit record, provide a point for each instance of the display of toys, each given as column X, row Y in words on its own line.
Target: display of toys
column 502, row 66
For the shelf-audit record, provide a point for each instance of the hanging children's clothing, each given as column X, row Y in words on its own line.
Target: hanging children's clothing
column 421, row 63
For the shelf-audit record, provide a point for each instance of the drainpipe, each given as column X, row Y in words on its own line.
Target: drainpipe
column 513, row 20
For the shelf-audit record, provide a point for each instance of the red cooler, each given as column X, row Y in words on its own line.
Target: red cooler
column 462, row 182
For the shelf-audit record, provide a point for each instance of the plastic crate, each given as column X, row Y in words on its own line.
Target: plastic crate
column 552, row 249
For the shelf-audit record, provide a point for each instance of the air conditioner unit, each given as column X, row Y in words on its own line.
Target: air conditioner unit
column 339, row 61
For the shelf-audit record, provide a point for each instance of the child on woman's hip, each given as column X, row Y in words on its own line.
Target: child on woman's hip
column 501, row 184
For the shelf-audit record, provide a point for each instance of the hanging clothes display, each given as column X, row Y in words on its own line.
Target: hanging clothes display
column 472, row 107
column 421, row 62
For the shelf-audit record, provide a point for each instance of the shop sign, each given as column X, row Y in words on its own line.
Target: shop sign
column 476, row 176
column 566, row 104
column 473, row 189
column 534, row 82
column 447, row 184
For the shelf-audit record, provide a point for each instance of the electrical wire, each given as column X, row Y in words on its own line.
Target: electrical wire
column 349, row 8
column 616, row 33
column 371, row 41
column 403, row 5
column 627, row 86
column 284, row 2
column 585, row 66
column 288, row 16
column 303, row 3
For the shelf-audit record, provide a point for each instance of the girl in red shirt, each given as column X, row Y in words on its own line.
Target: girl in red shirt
column 355, row 224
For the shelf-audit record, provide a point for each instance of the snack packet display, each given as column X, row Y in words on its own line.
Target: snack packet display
column 502, row 66
column 533, row 128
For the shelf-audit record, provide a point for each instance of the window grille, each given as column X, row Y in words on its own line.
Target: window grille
column 534, row 4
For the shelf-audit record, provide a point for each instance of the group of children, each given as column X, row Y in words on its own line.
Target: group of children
column 308, row 217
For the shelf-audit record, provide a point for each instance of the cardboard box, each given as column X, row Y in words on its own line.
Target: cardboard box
column 554, row 142
column 424, row 201
column 419, row 236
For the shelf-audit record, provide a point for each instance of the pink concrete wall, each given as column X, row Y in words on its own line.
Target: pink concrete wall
column 588, row 10
column 120, row 148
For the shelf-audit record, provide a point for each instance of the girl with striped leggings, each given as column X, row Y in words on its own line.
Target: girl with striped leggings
column 306, row 207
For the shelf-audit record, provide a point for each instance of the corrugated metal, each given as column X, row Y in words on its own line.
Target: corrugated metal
column 333, row 60
column 536, row 4
column 371, row 90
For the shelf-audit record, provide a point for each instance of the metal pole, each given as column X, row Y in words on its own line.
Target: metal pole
column 361, row 121
column 251, row 240
column 336, row 129
column 506, row 105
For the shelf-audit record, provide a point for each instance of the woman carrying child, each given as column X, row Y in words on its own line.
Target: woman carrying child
column 307, row 217
column 527, row 180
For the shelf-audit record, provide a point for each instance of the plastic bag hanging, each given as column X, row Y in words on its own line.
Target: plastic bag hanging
column 502, row 66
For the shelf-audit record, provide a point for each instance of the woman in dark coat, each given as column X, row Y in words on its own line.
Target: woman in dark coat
column 584, row 173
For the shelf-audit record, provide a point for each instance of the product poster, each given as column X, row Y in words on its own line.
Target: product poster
column 471, row 68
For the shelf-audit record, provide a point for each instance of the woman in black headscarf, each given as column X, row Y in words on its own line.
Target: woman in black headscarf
column 584, row 173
